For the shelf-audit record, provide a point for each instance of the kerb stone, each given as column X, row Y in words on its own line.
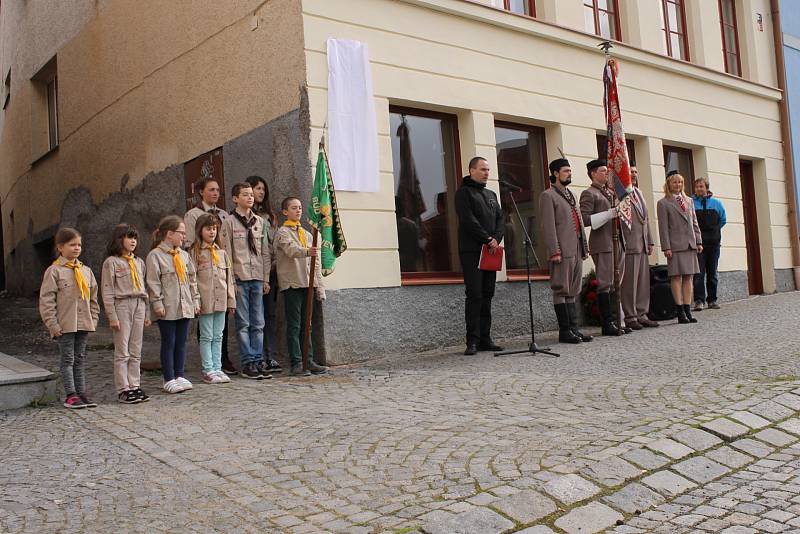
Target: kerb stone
column 697, row 439
column 729, row 457
column 701, row 469
column 570, row 489
column 670, row 447
column 481, row 520
column 725, row 428
column 634, row 497
column 526, row 506
column 668, row 483
column 750, row 419
column 611, row 471
column 594, row 517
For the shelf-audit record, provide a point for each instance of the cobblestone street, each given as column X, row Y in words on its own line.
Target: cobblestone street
column 684, row 428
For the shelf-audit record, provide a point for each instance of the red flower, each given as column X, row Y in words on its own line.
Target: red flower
column 593, row 282
column 591, row 296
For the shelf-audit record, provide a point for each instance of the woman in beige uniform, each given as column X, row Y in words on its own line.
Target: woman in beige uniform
column 681, row 242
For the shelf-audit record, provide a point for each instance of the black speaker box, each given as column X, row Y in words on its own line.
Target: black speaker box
column 662, row 305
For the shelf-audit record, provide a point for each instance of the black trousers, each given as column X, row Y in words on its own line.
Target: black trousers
column 479, row 288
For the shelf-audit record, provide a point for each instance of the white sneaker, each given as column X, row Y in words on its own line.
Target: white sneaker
column 185, row 384
column 224, row 379
column 172, row 387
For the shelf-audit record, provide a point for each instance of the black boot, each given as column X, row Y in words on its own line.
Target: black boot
column 610, row 328
column 681, row 314
column 687, row 311
column 573, row 323
column 565, row 335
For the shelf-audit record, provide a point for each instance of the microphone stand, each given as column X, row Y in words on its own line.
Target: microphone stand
column 533, row 348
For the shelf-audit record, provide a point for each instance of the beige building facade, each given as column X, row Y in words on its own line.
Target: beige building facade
column 149, row 96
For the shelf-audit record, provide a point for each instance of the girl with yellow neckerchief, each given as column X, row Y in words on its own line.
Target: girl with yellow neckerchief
column 174, row 300
column 68, row 306
column 125, row 302
column 217, row 294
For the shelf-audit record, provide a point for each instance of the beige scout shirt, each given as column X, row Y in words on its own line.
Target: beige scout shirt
column 190, row 221
column 178, row 299
column 117, row 283
column 293, row 261
column 62, row 309
column 246, row 265
column 214, row 282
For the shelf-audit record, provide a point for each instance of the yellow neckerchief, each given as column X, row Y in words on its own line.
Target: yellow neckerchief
column 300, row 233
column 213, row 248
column 137, row 282
column 75, row 265
column 179, row 267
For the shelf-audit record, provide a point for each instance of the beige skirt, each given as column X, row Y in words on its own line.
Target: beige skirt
column 683, row 263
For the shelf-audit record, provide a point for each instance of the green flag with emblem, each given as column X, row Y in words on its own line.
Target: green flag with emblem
column 324, row 216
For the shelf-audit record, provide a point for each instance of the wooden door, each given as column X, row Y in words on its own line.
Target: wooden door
column 755, row 281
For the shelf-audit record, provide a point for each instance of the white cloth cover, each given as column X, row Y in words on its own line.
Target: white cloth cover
column 353, row 133
column 599, row 219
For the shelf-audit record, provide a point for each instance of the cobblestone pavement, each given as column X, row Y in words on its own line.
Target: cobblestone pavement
column 681, row 428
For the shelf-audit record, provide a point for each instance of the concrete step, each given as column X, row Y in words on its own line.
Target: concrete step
column 23, row 384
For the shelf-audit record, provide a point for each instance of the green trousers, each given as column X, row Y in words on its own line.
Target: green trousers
column 294, row 300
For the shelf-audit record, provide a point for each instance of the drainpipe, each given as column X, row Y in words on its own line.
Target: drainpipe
column 788, row 160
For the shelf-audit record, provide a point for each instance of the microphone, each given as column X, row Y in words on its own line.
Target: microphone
column 509, row 185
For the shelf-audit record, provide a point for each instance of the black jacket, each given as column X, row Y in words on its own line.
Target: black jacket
column 480, row 216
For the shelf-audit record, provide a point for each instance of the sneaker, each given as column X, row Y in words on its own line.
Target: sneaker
column 251, row 371
column 208, row 378
column 128, row 397
column 223, row 378
column 88, row 402
column 143, row 397
column 173, row 386
column 698, row 305
column 713, row 305
column 316, row 369
column 185, row 384
column 273, row 366
column 229, row 368
column 297, row 370
column 262, row 368
column 74, row 402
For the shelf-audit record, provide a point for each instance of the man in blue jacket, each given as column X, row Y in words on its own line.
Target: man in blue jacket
column 711, row 218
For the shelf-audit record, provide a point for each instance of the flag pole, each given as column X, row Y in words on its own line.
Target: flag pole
column 310, row 290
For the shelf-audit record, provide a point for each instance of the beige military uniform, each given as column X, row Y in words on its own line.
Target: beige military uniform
column 62, row 309
column 635, row 287
column 562, row 232
column 601, row 240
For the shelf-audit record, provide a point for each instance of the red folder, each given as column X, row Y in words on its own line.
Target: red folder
column 491, row 260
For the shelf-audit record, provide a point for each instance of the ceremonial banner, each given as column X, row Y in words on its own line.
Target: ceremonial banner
column 619, row 169
column 324, row 215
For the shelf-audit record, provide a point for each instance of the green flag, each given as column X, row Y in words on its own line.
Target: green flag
column 324, row 216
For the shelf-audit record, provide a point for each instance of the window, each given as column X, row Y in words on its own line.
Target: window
column 426, row 168
column 602, row 148
column 673, row 24
column 44, row 110
column 602, row 18
column 522, row 161
column 730, row 37
column 680, row 159
column 523, row 7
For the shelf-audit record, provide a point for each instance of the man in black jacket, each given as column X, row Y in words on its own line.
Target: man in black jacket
column 480, row 222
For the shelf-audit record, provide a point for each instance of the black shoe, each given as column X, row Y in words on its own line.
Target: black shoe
column 610, row 327
column 565, row 333
column 273, row 366
column 297, row 370
column 262, row 369
column 88, row 402
column 251, row 371
column 471, row 350
column 489, row 346
column 573, row 323
column 143, row 397
column 228, row 368
column 681, row 314
column 128, row 397
column 316, row 369
column 687, row 311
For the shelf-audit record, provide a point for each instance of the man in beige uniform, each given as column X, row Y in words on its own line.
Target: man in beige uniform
column 635, row 287
column 599, row 210
column 562, row 231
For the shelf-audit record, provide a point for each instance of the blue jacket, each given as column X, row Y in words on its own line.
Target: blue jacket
column 711, row 218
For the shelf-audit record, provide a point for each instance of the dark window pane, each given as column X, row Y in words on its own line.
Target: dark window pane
column 680, row 159
column 52, row 113
column 520, row 161
column 424, row 162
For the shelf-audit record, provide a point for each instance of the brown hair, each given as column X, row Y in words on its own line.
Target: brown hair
column 170, row 223
column 237, row 188
column 121, row 231
column 200, row 186
column 64, row 235
column 285, row 202
column 205, row 220
column 264, row 207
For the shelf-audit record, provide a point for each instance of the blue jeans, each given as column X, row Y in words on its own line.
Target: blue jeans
column 707, row 278
column 173, row 347
column 211, row 326
column 250, row 320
